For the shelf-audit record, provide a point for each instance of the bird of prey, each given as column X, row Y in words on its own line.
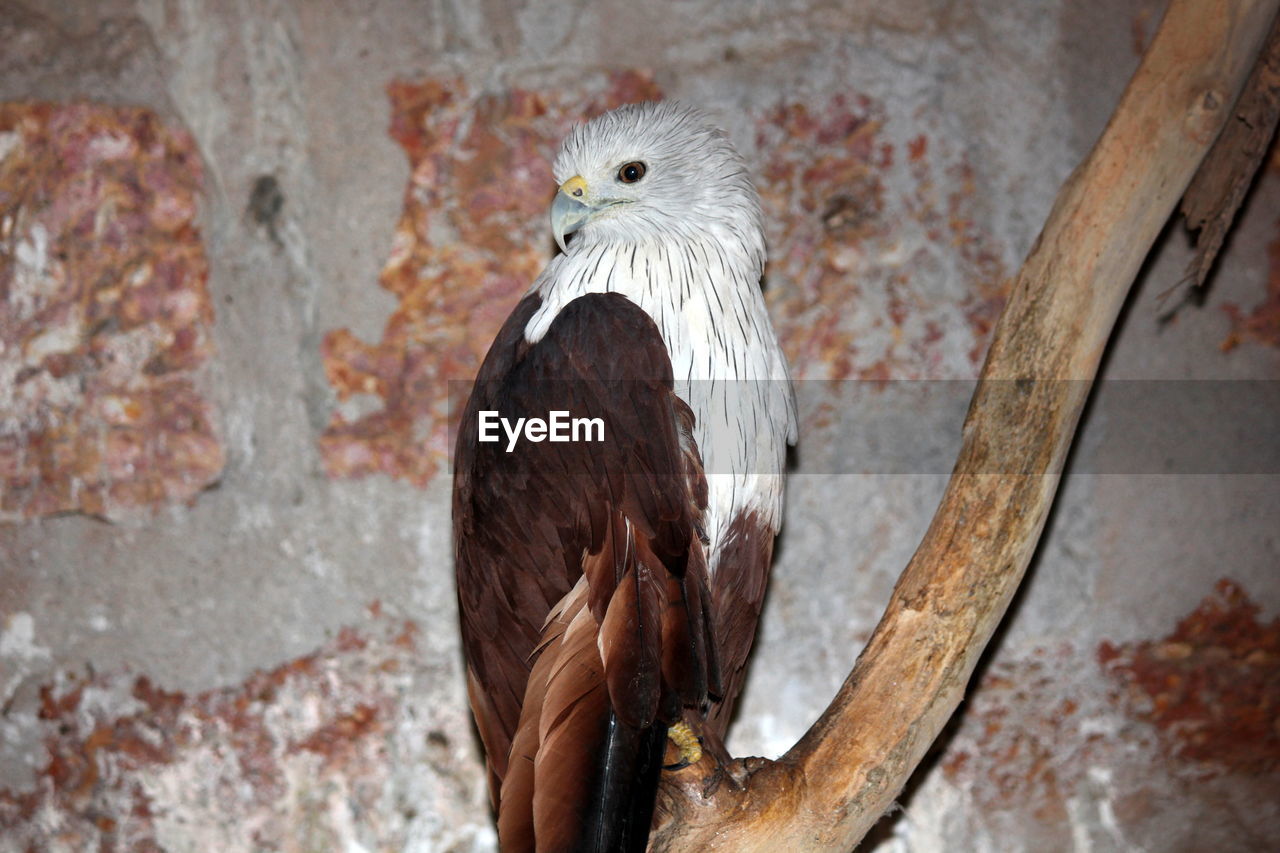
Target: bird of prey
column 610, row 580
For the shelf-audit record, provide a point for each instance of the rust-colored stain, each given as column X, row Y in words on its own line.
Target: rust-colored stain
column 846, row 223
column 1211, row 688
column 979, row 258
column 917, row 147
column 470, row 241
column 111, row 776
column 1020, row 745
column 1262, row 324
column 1165, row 715
column 105, row 315
column 823, row 196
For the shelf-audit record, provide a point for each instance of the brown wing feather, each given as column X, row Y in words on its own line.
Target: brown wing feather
column 593, row 698
column 571, row 724
column 619, row 524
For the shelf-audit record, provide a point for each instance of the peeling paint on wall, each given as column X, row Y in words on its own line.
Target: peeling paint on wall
column 470, row 241
column 1029, row 734
column 859, row 235
column 104, row 313
column 1168, row 738
column 341, row 749
column 1211, row 688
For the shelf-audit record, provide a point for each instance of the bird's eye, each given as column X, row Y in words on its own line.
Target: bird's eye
column 632, row 172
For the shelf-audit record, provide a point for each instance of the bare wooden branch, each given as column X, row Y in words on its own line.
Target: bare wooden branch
column 1220, row 184
column 833, row 785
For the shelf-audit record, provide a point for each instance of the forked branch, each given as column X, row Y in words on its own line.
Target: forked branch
column 833, row 785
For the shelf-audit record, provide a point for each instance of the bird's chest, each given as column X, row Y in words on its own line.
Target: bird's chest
column 724, row 359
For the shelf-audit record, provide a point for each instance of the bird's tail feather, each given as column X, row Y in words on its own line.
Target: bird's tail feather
column 580, row 778
column 629, row 767
column 619, row 657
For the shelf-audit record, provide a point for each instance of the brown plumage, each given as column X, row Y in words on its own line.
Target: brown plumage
column 610, row 589
column 604, row 590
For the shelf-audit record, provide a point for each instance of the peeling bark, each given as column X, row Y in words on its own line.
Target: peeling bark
column 832, row 786
column 1219, row 187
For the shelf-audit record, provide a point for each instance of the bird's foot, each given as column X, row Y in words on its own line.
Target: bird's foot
column 688, row 744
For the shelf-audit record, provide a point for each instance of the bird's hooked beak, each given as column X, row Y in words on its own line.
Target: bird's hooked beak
column 570, row 210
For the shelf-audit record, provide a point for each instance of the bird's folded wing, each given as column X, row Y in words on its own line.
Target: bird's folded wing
column 616, row 520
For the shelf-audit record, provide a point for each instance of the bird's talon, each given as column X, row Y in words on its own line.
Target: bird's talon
column 689, row 744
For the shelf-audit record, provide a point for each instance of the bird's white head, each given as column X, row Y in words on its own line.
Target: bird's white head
column 653, row 172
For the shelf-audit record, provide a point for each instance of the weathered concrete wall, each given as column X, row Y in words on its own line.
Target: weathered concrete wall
column 245, row 247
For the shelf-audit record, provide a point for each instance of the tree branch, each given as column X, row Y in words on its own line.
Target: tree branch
column 833, row 785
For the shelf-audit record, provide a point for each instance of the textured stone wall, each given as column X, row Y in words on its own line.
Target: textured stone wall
column 107, row 313
column 251, row 251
